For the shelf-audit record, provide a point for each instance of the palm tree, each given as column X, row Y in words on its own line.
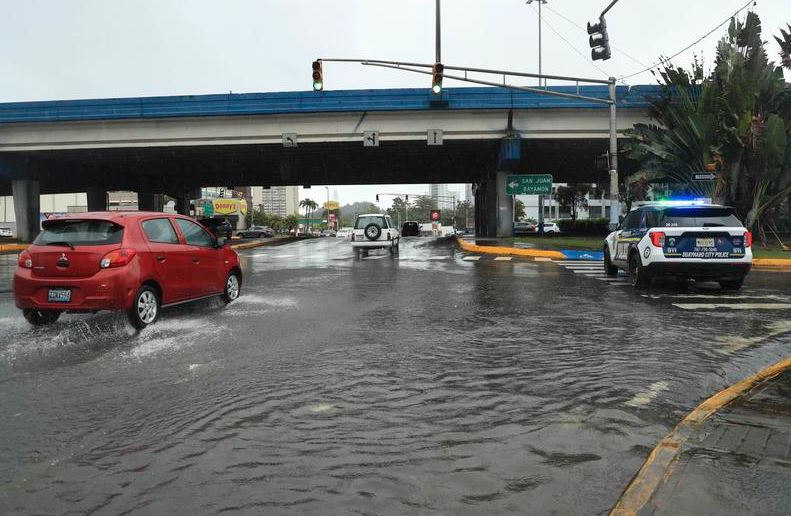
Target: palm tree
column 737, row 121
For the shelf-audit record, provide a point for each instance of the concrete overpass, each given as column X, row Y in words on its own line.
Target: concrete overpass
column 174, row 145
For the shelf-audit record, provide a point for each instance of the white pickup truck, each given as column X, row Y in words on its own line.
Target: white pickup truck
column 374, row 231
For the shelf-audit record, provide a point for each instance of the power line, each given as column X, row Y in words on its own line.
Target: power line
column 575, row 49
column 691, row 44
column 584, row 29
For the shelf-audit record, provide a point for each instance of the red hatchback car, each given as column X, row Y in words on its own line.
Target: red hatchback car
column 137, row 262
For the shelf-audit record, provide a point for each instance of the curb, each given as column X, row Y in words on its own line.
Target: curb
column 263, row 243
column 660, row 463
column 508, row 251
column 12, row 248
column 771, row 262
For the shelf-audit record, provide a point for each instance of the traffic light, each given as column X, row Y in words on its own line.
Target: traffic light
column 377, row 197
column 406, row 197
column 598, row 40
column 318, row 76
column 436, row 78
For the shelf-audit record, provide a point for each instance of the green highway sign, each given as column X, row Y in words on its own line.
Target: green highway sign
column 533, row 184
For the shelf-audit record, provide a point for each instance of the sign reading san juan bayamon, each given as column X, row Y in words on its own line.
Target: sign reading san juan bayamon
column 532, row 184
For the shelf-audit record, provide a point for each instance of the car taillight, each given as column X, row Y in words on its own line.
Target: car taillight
column 25, row 260
column 748, row 239
column 657, row 238
column 117, row 258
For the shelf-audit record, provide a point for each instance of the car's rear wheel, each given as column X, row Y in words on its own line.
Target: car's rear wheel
column 731, row 284
column 145, row 308
column 638, row 276
column 232, row 287
column 41, row 317
column 609, row 269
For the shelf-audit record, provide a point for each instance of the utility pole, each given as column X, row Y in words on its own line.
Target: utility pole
column 438, row 37
column 539, row 40
column 615, row 207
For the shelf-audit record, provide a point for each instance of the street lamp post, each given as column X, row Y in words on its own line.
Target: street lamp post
column 539, row 37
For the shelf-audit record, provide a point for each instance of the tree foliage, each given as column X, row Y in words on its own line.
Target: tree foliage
column 574, row 197
column 735, row 121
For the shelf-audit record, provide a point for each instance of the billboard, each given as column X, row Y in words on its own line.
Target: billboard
column 229, row 206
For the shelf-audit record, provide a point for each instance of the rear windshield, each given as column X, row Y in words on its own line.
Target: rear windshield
column 699, row 217
column 364, row 221
column 79, row 232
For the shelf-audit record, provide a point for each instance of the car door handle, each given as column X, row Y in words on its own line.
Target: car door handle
column 160, row 258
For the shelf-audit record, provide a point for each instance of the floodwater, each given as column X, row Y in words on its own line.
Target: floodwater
column 428, row 383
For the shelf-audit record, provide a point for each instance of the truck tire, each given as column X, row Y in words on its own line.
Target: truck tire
column 372, row 231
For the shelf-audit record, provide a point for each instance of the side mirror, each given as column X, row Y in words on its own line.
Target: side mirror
column 220, row 242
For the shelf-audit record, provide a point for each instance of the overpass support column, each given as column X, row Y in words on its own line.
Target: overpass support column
column 27, row 202
column 183, row 203
column 97, row 199
column 149, row 201
column 505, row 208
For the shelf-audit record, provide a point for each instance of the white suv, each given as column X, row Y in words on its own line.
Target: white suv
column 703, row 242
column 374, row 231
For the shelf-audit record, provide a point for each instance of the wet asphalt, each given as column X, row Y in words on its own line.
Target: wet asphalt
column 434, row 382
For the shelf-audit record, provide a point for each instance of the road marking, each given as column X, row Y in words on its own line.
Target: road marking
column 471, row 258
column 715, row 296
column 644, row 398
column 284, row 256
column 734, row 306
column 608, row 279
column 578, row 262
column 542, row 259
column 587, row 271
column 503, row 259
column 373, row 257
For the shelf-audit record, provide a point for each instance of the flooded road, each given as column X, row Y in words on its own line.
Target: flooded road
column 432, row 383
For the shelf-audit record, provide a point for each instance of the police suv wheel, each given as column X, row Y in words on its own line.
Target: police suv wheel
column 609, row 269
column 637, row 273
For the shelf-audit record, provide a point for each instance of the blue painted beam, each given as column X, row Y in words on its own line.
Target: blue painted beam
column 341, row 101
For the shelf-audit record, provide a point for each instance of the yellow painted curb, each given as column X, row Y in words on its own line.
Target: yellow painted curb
column 507, row 251
column 659, row 465
column 12, row 247
column 771, row 262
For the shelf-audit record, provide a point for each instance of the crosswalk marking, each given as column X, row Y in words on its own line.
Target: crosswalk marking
column 542, row 259
column 734, row 306
column 503, row 259
column 471, row 258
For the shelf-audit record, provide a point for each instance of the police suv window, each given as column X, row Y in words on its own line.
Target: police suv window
column 632, row 220
column 700, row 217
column 651, row 219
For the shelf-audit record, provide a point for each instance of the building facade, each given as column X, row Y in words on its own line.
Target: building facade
column 276, row 200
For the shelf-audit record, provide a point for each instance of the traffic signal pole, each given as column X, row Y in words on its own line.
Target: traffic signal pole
column 615, row 208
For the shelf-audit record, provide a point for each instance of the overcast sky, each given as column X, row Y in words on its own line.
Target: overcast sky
column 69, row 49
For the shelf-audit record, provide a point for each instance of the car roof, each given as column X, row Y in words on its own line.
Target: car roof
column 659, row 206
column 371, row 215
column 115, row 216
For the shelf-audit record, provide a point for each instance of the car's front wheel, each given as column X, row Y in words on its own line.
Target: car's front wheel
column 609, row 269
column 638, row 276
column 145, row 309
column 232, row 287
column 40, row 317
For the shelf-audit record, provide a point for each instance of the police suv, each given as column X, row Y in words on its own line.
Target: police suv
column 697, row 241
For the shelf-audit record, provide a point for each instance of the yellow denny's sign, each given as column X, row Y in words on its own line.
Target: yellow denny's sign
column 229, row 206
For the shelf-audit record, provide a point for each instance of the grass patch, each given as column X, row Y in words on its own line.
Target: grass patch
column 592, row 243
column 581, row 243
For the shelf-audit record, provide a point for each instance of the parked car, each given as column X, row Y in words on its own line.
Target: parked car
column 256, row 232
column 549, row 228
column 219, row 226
column 344, row 233
column 524, row 227
column 328, row 233
column 137, row 262
column 410, row 228
column 374, row 231
column 6, row 233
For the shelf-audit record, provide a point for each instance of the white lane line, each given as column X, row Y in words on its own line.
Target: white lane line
column 578, row 268
column 609, row 279
column 373, row 257
column 542, row 259
column 714, row 296
column 503, row 259
column 579, row 262
column 471, row 258
column 644, row 398
column 734, row 306
column 587, row 271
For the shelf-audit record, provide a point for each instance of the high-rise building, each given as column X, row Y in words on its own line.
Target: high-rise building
column 277, row 200
column 468, row 195
column 439, row 192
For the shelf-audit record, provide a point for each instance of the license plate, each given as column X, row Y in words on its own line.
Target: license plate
column 704, row 242
column 59, row 295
